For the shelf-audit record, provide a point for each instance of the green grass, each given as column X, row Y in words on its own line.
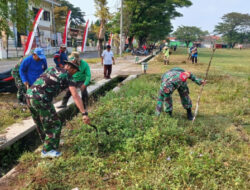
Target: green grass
column 93, row 60
column 11, row 112
column 146, row 152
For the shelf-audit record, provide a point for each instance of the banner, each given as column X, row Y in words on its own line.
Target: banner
column 85, row 36
column 32, row 32
column 66, row 28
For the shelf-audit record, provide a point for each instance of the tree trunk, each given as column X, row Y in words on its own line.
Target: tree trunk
column 233, row 44
column 130, row 42
column 142, row 40
column 100, row 47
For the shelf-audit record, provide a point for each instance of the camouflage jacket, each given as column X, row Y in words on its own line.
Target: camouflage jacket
column 53, row 81
column 15, row 71
column 171, row 80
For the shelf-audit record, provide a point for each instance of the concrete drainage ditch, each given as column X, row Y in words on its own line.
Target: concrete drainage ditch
column 27, row 139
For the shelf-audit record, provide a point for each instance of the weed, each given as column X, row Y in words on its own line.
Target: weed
column 146, row 152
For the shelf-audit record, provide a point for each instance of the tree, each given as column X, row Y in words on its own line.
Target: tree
column 18, row 13
column 150, row 20
column 77, row 16
column 235, row 27
column 102, row 12
column 189, row 34
column 4, row 18
column 60, row 14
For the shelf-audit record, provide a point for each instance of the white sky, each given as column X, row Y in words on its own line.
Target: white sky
column 203, row 13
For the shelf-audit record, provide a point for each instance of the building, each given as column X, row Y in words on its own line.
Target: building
column 45, row 36
column 45, row 31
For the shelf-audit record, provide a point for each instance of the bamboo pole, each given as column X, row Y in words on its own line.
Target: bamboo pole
column 202, row 87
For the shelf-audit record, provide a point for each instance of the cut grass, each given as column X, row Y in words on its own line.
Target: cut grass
column 146, row 152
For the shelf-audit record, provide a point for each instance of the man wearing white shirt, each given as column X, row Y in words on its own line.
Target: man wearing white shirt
column 107, row 60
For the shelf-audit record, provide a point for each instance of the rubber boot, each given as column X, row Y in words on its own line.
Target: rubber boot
column 169, row 113
column 189, row 114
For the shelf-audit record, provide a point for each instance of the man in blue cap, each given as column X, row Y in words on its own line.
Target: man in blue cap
column 32, row 67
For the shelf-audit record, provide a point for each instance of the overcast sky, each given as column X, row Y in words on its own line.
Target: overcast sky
column 203, row 13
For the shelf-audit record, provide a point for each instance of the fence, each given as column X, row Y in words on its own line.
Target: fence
column 11, row 51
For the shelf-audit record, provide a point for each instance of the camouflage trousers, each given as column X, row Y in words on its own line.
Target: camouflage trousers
column 21, row 90
column 166, row 99
column 47, row 122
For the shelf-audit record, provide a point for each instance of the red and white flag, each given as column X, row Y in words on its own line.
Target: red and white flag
column 66, row 28
column 110, row 39
column 32, row 32
column 85, row 36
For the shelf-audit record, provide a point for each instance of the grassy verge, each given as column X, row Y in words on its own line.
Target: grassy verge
column 93, row 60
column 145, row 152
column 11, row 112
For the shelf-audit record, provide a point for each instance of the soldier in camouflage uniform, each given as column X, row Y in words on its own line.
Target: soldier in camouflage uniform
column 39, row 98
column 176, row 79
column 21, row 89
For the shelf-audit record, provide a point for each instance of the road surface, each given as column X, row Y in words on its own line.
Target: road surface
column 6, row 65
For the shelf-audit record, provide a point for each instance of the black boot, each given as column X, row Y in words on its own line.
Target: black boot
column 62, row 106
column 170, row 113
column 65, row 99
column 189, row 114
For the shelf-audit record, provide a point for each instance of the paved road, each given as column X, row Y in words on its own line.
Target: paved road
column 6, row 65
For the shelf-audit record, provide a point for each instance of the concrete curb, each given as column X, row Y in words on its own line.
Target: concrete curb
column 129, row 78
column 149, row 57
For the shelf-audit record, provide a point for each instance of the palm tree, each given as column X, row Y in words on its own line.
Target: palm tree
column 102, row 12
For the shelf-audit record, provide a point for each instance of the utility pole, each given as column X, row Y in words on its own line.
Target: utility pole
column 121, row 28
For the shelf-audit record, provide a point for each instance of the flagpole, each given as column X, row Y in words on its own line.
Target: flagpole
column 121, row 27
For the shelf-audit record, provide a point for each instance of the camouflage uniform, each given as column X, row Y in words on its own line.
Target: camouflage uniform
column 170, row 81
column 39, row 97
column 21, row 89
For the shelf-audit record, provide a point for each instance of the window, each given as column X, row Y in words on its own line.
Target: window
column 46, row 15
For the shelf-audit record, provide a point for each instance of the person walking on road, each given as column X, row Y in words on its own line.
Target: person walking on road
column 82, row 79
column 40, row 102
column 61, row 56
column 176, row 79
column 21, row 89
column 32, row 67
column 107, row 59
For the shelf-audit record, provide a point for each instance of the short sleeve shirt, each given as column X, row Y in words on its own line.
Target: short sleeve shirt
column 107, row 57
column 52, row 82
